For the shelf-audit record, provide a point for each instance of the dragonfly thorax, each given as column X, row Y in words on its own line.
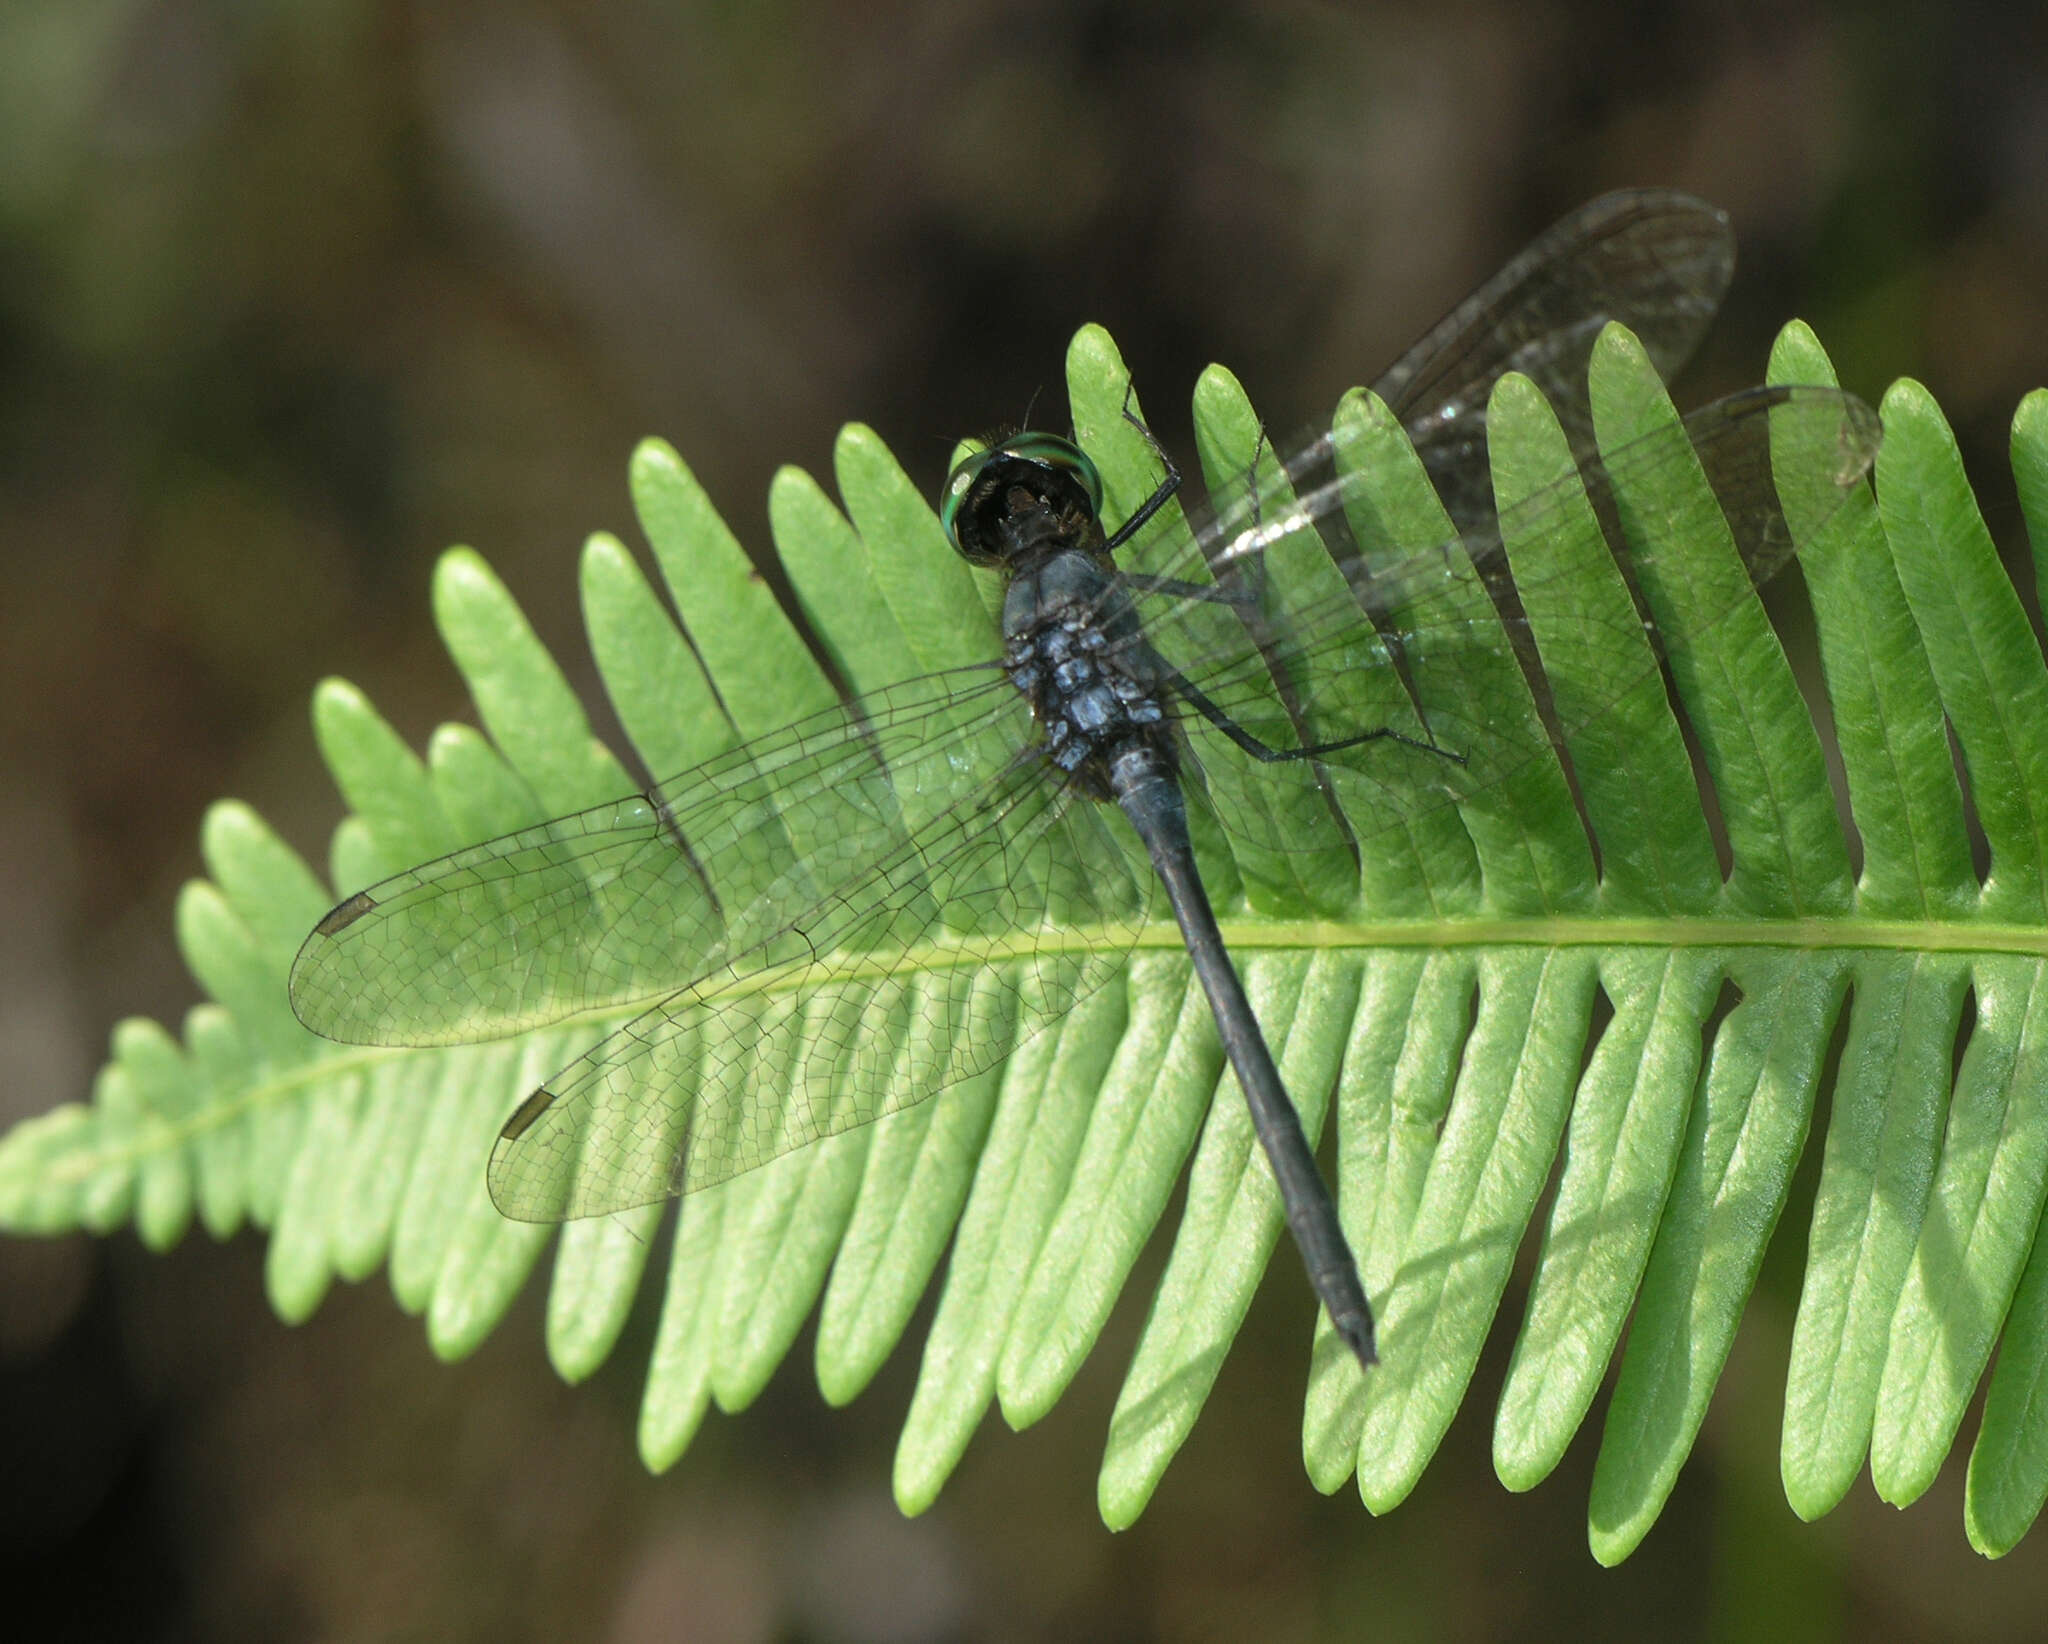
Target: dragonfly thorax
column 1073, row 648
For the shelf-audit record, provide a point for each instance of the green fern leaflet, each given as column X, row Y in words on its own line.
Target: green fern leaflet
column 1448, row 1044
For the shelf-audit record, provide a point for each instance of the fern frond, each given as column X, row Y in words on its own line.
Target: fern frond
column 1441, row 1023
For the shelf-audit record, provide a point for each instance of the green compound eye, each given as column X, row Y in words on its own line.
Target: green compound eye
column 1055, row 452
column 958, row 484
column 1047, row 450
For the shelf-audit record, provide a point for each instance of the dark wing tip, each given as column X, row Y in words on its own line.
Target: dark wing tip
column 525, row 1113
column 344, row 914
column 522, row 1189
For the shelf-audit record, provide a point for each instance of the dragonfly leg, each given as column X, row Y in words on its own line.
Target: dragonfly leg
column 1160, row 497
column 1267, row 754
column 1174, row 588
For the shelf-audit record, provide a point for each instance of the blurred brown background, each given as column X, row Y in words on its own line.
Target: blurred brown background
column 292, row 295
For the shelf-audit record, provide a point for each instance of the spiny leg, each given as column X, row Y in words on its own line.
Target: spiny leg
column 1267, row 754
column 1167, row 486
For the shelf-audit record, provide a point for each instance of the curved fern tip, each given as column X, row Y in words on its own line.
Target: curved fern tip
column 1618, row 349
column 1907, row 399
column 1218, row 392
column 336, row 694
column 858, row 441
column 2030, row 421
column 1093, row 352
column 460, row 560
column 1796, row 333
column 228, row 823
column 653, row 455
column 1515, row 396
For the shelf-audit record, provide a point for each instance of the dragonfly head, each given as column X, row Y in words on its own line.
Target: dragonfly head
column 1030, row 491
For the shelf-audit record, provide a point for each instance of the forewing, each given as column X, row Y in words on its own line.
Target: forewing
column 1351, row 628
column 1655, row 260
column 984, row 926
column 633, row 900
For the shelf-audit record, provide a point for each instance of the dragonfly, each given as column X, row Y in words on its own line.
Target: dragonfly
column 840, row 919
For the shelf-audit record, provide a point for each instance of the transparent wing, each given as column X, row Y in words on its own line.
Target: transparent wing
column 633, row 900
column 982, row 927
column 1656, row 260
column 1345, row 627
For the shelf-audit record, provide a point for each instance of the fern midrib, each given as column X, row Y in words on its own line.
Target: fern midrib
column 1807, row 934
column 1244, row 936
